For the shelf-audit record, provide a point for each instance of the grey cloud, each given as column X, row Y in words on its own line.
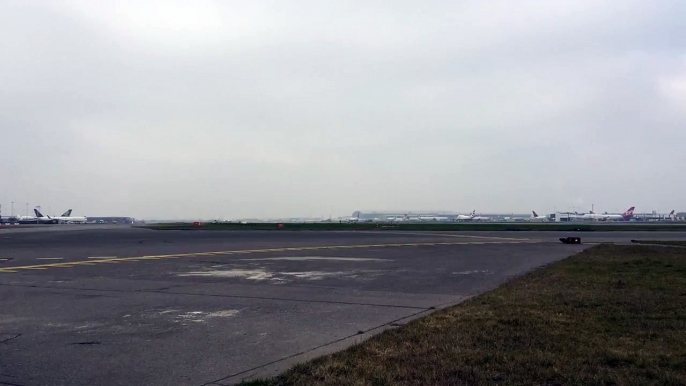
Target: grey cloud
column 217, row 109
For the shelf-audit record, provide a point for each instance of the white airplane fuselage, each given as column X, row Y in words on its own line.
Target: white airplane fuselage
column 592, row 216
column 35, row 220
column 466, row 217
column 538, row 219
column 71, row 219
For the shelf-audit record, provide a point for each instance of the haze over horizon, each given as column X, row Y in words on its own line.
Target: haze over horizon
column 209, row 109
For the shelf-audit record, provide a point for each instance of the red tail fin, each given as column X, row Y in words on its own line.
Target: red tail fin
column 629, row 212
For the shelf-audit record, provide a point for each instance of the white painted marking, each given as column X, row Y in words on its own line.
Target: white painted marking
column 102, row 257
column 256, row 274
column 202, row 316
column 222, row 314
column 279, row 277
column 314, row 275
column 305, row 258
column 472, row 272
column 49, row 258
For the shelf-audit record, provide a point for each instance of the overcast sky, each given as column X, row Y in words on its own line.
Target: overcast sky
column 229, row 109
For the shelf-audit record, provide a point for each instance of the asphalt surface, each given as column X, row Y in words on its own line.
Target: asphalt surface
column 100, row 305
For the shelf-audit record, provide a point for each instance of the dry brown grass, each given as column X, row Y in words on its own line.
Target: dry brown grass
column 613, row 315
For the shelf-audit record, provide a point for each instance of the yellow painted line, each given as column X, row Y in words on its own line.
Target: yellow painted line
column 488, row 237
column 43, row 265
column 163, row 256
column 454, row 235
column 71, row 264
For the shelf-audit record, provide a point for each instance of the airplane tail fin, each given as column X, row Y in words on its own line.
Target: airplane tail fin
column 534, row 212
column 67, row 213
column 38, row 213
column 629, row 212
column 671, row 213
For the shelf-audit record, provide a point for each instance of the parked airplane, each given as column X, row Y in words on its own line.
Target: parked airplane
column 536, row 218
column 481, row 218
column 621, row 217
column 589, row 216
column 62, row 219
column 33, row 219
column 355, row 217
column 23, row 219
column 465, row 217
column 606, row 216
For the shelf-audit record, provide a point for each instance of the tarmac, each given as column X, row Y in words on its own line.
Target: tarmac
column 115, row 305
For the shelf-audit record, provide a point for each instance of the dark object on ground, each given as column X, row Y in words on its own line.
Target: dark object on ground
column 571, row 240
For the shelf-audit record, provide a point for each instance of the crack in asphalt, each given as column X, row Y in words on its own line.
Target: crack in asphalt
column 173, row 286
column 9, row 384
column 220, row 295
column 295, row 300
column 87, row 343
column 9, row 339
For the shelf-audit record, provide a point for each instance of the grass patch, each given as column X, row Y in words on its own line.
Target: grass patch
column 661, row 242
column 560, row 227
column 612, row 315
